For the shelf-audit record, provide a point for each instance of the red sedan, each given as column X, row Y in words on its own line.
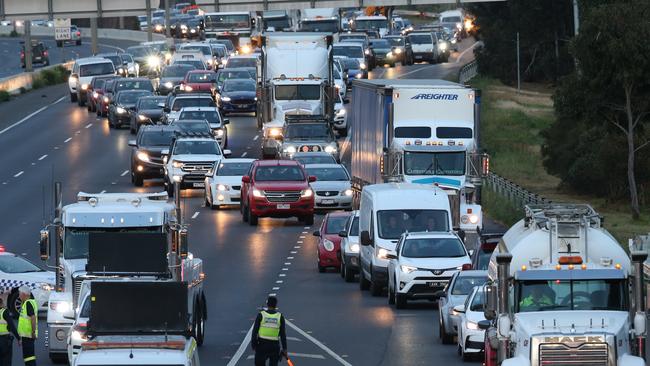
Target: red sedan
column 329, row 241
column 199, row 81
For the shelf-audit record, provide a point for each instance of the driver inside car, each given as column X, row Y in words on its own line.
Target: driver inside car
column 536, row 299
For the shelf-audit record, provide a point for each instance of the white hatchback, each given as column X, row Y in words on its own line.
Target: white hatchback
column 471, row 338
column 224, row 185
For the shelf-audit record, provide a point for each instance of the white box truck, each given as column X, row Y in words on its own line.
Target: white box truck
column 419, row 131
column 320, row 20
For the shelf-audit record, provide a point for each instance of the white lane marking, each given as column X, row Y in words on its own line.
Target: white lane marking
column 244, row 154
column 287, row 263
column 298, row 355
column 242, row 348
column 296, row 247
column 279, row 281
column 256, row 137
column 467, row 50
column 289, row 258
column 109, row 46
column 304, row 232
column 42, row 157
column 88, row 125
column 299, row 242
column 124, row 173
column 285, row 269
column 104, row 191
column 273, row 294
column 196, row 214
column 282, row 275
column 275, row 288
column 31, row 115
column 302, row 236
column 319, row 344
column 307, row 227
column 19, row 174
column 293, row 252
column 67, row 140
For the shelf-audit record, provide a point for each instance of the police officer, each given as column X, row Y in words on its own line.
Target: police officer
column 28, row 325
column 268, row 333
column 7, row 333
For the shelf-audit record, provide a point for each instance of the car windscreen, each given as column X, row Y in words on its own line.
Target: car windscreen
column 421, row 39
column 226, row 42
column 210, row 116
column 192, row 102
column 279, row 173
column 150, row 103
column 335, row 224
column 193, row 127
column 125, row 84
column 463, row 285
column 297, row 92
column 315, row 159
column 100, row 68
column 239, row 86
column 350, row 63
column 177, row 71
column 140, row 51
column 196, row 148
column 380, row 43
column 197, row 64
column 429, row 163
column 233, row 169
column 98, row 83
column 14, row 264
column 395, row 41
column 477, row 302
column 126, row 57
column 220, row 51
column 238, row 74
column 205, row 50
column 307, row 131
column 115, row 59
column 157, row 138
column 242, row 62
column 329, row 174
column 349, row 51
column 392, row 223
column 203, row 77
column 129, row 97
column 433, row 248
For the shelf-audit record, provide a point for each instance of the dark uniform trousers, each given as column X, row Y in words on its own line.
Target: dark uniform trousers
column 267, row 350
column 6, row 348
column 28, row 351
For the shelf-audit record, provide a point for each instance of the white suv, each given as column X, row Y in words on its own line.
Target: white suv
column 425, row 47
column 189, row 159
column 83, row 71
column 423, row 264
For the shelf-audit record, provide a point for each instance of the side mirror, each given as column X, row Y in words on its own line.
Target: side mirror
column 440, row 293
column 227, row 152
column 316, row 233
column 343, row 234
column 246, row 179
column 125, row 63
column 132, row 143
column 183, row 248
column 132, row 108
column 74, row 75
column 484, row 324
column 164, row 152
column 69, row 317
column 312, row 179
column 471, row 252
column 365, row 238
column 44, row 244
column 491, row 298
column 161, row 105
column 346, row 101
column 459, row 309
column 226, row 121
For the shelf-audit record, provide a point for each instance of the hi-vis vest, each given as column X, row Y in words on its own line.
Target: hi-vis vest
column 270, row 326
column 24, row 321
column 4, row 329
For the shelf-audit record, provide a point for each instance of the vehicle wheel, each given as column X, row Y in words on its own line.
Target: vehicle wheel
column 73, row 97
column 363, row 283
column 14, row 303
column 59, row 357
column 349, row 275
column 321, row 269
column 78, row 42
column 309, row 219
column 400, row 300
column 244, row 213
column 465, row 356
column 444, row 337
column 80, row 102
column 97, row 112
column 132, row 130
column 200, row 325
column 343, row 132
column 137, row 180
column 252, row 219
column 375, row 288
column 391, row 296
column 170, row 189
column 104, row 114
column 342, row 269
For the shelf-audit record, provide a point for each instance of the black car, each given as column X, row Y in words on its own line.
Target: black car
column 147, row 111
column 146, row 152
column 128, row 84
column 122, row 106
column 114, row 57
column 234, row 73
column 383, row 52
column 172, row 76
column 40, row 55
column 402, row 48
column 237, row 95
column 147, row 57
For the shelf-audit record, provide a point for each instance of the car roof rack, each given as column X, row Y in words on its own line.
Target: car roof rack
column 186, row 134
column 296, row 118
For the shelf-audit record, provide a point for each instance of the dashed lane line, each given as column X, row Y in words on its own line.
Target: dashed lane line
column 256, row 137
column 196, row 214
column 19, row 174
column 88, row 125
column 124, row 173
column 67, row 140
column 26, row 118
column 42, row 157
column 244, row 154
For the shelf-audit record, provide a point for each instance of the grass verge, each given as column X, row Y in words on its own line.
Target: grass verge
column 510, row 132
column 53, row 76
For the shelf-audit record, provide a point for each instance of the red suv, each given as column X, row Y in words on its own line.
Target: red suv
column 329, row 241
column 199, row 81
column 277, row 188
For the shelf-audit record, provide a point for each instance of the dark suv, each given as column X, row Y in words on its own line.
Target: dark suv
column 486, row 243
column 146, row 152
column 39, row 54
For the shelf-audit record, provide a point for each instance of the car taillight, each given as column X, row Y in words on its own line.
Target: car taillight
column 466, row 267
column 22, row 54
column 78, row 33
column 44, row 53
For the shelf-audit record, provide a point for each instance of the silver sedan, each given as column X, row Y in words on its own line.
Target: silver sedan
column 332, row 186
column 456, row 293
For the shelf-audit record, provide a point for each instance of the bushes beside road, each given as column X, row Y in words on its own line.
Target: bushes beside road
column 56, row 75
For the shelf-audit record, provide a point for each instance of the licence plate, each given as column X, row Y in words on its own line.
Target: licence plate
column 437, row 284
column 242, row 106
column 327, row 202
column 418, row 57
column 283, row 206
column 198, row 185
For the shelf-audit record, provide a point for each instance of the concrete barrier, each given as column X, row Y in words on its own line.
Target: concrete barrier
column 14, row 83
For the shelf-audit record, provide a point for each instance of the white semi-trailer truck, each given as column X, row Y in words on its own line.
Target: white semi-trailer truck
column 563, row 291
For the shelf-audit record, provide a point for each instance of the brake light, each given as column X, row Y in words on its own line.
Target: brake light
column 2, row 248
column 44, row 53
column 574, row 259
column 22, row 54
column 78, row 33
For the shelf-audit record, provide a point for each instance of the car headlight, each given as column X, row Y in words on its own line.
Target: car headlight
column 408, row 269
column 72, row 79
column 61, row 306
column 46, row 286
column 257, row 193
column 246, row 49
column 120, row 71
column 153, row 61
column 77, row 336
column 382, row 253
column 389, row 54
column 192, row 30
column 143, row 156
column 453, row 41
column 222, row 187
column 398, row 51
column 330, row 149
column 142, row 118
column 225, row 99
column 95, row 95
column 187, row 88
column 169, row 85
column 275, row 132
column 306, row 193
column 367, row 51
column 177, row 164
column 84, row 86
column 359, row 75
column 209, row 62
column 120, row 110
column 290, row 149
column 107, row 100
column 472, row 325
column 218, row 132
column 442, row 46
column 328, row 245
column 473, row 219
column 363, row 66
column 347, row 192
column 354, row 248
column 158, row 27
column 340, row 112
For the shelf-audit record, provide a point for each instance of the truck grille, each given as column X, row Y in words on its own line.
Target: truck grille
column 308, row 148
column 282, row 196
column 198, row 168
column 557, row 354
column 76, row 283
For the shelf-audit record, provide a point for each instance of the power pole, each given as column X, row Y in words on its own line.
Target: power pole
column 28, row 45
column 168, row 29
column 518, row 66
column 149, row 25
column 576, row 18
column 93, row 35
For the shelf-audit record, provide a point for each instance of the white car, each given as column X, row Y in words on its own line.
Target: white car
column 460, row 286
column 352, row 50
column 204, row 49
column 83, row 71
column 212, row 115
column 340, row 118
column 16, row 271
column 423, row 264
column 350, row 248
column 332, row 186
column 77, row 334
column 189, row 160
column 132, row 67
column 471, row 338
column 339, row 82
column 224, row 185
column 184, row 101
column 425, row 47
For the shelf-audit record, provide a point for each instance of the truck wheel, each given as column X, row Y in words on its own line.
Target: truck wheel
column 59, row 357
column 200, row 325
column 363, row 283
column 400, row 301
column 252, row 219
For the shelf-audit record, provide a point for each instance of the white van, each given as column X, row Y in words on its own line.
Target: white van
column 387, row 210
column 83, row 71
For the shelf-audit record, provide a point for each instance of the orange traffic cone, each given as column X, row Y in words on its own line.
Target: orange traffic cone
column 289, row 362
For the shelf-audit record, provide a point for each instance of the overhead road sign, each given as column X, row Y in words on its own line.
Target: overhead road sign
column 62, row 29
column 40, row 9
column 256, row 5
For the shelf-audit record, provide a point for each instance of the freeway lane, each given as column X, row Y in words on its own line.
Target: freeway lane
column 333, row 323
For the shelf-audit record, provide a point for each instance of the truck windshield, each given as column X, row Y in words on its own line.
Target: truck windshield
column 550, row 295
column 308, row 131
column 430, row 163
column 75, row 242
column 277, row 23
column 392, row 223
column 329, row 26
column 297, row 92
column 227, row 21
column 348, row 51
column 369, row 24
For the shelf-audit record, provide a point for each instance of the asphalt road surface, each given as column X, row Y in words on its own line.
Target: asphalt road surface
column 10, row 52
column 330, row 322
